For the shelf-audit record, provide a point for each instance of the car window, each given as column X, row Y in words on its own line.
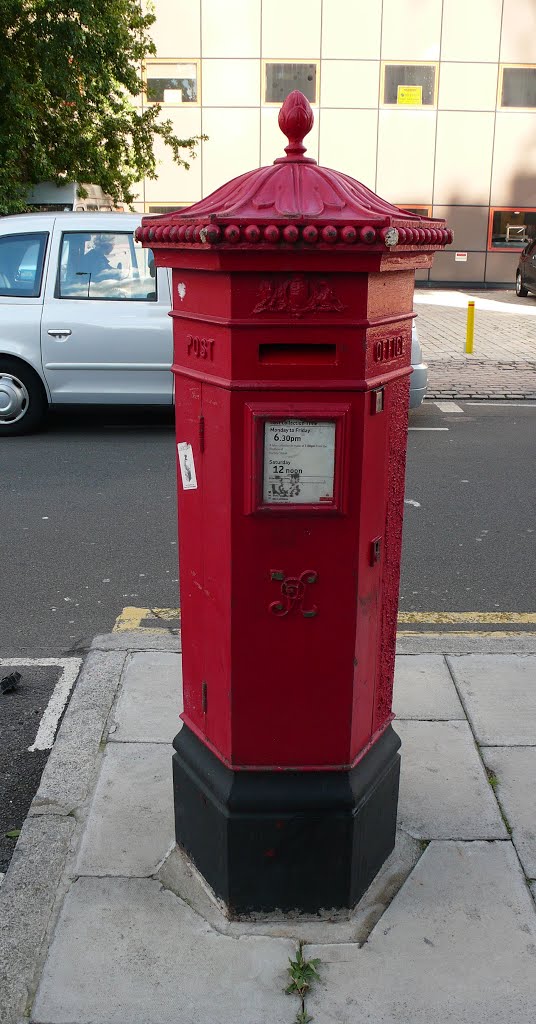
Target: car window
column 21, row 264
column 105, row 265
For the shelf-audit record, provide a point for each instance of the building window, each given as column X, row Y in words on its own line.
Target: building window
column 517, row 87
column 172, row 82
column 409, row 85
column 165, row 207
column 511, row 229
column 419, row 211
column 281, row 79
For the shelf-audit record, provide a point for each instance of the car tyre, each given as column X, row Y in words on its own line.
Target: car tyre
column 520, row 287
column 23, row 402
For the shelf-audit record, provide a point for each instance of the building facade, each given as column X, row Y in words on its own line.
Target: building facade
column 430, row 103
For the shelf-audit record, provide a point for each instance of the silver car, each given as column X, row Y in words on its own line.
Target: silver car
column 419, row 376
column 84, row 318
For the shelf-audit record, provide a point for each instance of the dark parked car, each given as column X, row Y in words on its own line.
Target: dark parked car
column 526, row 270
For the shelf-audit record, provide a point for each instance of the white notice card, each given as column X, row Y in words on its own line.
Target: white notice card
column 187, row 464
column 299, row 462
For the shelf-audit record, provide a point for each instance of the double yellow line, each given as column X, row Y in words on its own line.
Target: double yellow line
column 161, row 620
column 489, row 619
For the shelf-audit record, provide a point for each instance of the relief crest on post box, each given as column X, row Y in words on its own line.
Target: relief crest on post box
column 297, row 295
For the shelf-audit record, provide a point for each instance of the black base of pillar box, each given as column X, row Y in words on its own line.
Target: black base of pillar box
column 286, row 840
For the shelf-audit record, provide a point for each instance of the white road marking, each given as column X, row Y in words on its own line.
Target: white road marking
column 448, row 406
column 411, row 501
column 505, row 404
column 428, row 428
column 60, row 694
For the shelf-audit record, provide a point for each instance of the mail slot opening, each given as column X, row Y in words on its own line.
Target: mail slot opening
column 278, row 353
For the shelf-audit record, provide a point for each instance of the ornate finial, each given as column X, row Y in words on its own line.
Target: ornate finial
column 296, row 120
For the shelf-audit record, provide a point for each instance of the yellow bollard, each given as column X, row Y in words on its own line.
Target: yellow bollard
column 470, row 328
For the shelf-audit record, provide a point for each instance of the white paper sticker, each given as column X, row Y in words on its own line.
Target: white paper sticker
column 187, row 464
column 299, row 462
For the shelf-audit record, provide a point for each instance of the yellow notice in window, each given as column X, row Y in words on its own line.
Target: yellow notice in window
column 410, row 95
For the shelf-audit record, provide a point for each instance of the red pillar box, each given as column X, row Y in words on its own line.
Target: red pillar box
column 292, row 311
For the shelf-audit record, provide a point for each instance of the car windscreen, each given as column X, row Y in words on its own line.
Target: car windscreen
column 105, row 265
column 21, row 264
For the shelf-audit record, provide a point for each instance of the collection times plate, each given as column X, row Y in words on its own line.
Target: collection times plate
column 299, row 462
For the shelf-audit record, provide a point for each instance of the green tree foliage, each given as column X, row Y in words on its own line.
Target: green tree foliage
column 69, row 76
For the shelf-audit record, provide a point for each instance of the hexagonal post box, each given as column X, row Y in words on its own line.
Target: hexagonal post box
column 292, row 313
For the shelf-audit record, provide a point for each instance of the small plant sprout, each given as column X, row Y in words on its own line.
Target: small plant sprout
column 302, row 975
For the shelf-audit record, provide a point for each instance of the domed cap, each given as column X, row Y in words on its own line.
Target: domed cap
column 294, row 204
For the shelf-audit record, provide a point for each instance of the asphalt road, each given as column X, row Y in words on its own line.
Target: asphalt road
column 88, row 526
column 471, row 543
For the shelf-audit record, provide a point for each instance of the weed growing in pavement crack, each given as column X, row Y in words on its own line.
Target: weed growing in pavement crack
column 494, row 782
column 302, row 974
column 492, row 779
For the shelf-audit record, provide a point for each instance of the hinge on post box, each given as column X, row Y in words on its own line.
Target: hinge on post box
column 375, row 550
column 202, row 433
column 204, row 700
column 377, row 400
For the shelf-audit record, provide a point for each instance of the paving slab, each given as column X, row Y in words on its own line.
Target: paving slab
column 130, row 826
column 444, row 791
column 499, row 695
column 424, row 689
column 457, row 944
column 150, row 700
column 515, row 769
column 126, row 950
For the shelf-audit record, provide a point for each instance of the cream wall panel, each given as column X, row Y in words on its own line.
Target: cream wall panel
column 230, row 28
column 518, row 39
column 411, row 29
column 176, row 184
column 291, row 29
column 501, row 267
column 445, row 268
column 348, row 143
column 137, row 191
column 406, row 141
column 349, row 83
column 273, row 141
column 233, row 145
column 469, row 224
column 471, row 30
column 514, row 160
column 351, row 29
column 468, row 86
column 463, row 157
column 177, row 29
column 231, row 83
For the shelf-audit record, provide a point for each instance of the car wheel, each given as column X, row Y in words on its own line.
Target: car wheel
column 520, row 287
column 23, row 402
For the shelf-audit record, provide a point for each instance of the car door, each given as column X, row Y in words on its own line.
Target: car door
column 529, row 266
column 106, row 336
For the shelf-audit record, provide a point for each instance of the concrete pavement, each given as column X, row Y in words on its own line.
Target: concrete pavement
column 103, row 921
column 503, row 362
